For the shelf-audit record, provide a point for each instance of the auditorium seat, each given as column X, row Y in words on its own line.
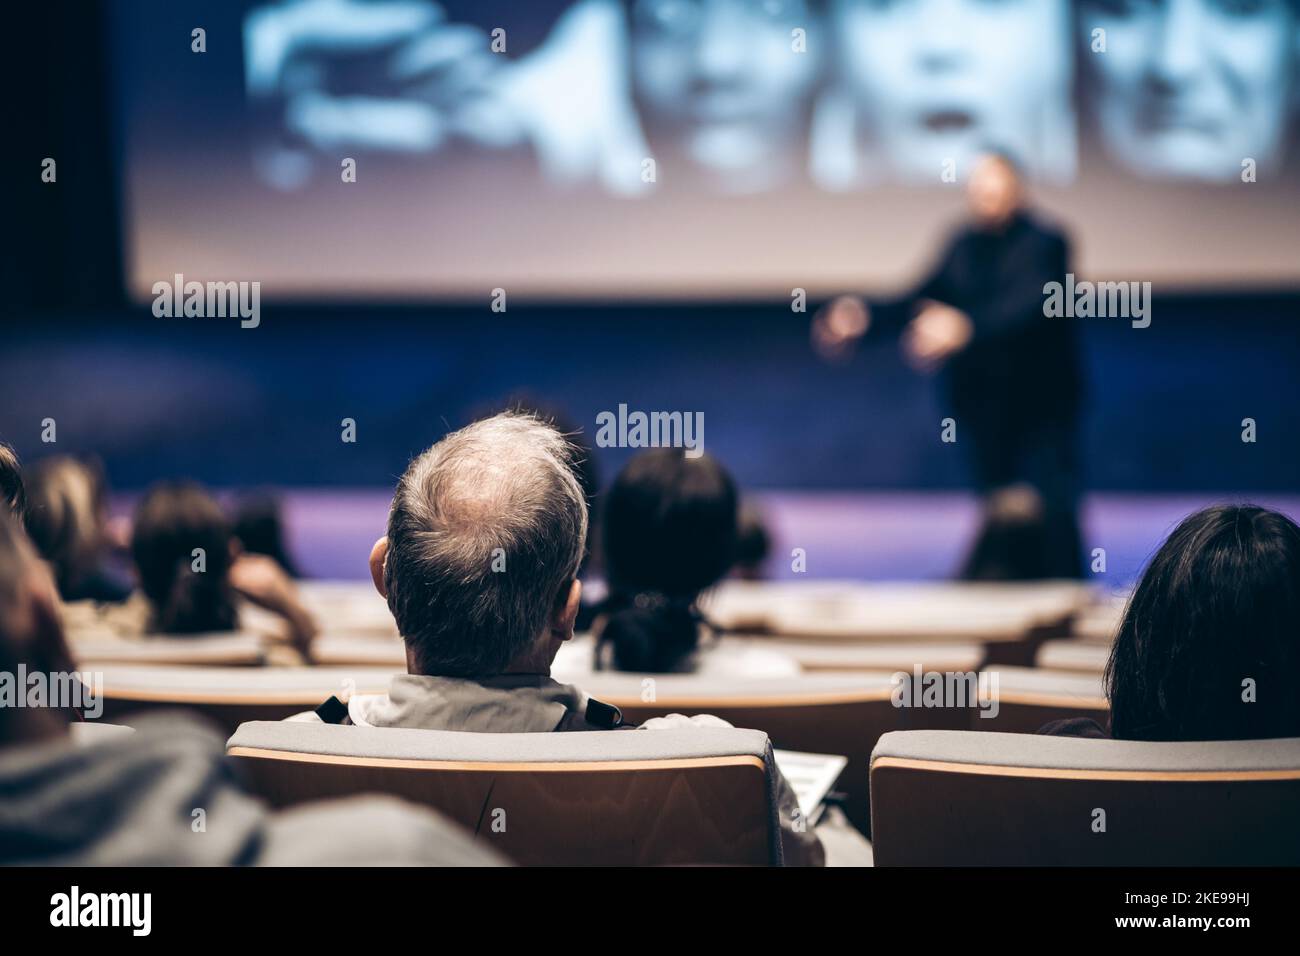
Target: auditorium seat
column 1081, row 657
column 1030, row 697
column 574, row 662
column 231, row 695
column 348, row 607
column 342, row 650
column 818, row 657
column 692, row 796
column 840, row 714
column 945, row 798
column 231, row 650
column 897, row 611
column 1099, row 624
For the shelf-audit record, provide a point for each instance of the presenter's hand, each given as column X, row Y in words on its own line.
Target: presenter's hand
column 938, row 332
column 837, row 327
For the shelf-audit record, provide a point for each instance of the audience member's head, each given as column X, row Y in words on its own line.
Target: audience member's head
column 1210, row 641
column 259, row 527
column 31, row 634
column 669, row 533
column 66, row 516
column 12, row 497
column 525, row 402
column 182, row 549
column 485, row 536
column 1012, row 544
column 753, row 544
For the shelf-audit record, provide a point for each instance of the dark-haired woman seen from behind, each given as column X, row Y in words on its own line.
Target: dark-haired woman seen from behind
column 669, row 532
column 1209, row 644
column 193, row 575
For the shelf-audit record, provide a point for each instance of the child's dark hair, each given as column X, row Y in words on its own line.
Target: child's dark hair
column 1210, row 641
column 669, row 532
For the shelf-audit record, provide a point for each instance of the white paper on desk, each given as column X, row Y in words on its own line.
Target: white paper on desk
column 811, row 776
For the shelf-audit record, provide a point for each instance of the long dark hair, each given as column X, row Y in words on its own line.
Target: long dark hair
column 259, row 526
column 1210, row 641
column 173, row 519
column 669, row 532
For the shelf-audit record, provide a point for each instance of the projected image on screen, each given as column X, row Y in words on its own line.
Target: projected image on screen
column 933, row 84
column 731, row 96
column 1191, row 88
column 699, row 148
column 720, row 92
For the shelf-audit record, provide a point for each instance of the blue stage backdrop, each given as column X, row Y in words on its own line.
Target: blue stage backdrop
column 230, row 406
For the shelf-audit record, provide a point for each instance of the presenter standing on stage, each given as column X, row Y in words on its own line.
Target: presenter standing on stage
column 1012, row 375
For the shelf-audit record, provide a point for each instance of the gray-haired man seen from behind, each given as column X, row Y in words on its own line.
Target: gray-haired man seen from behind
column 480, row 570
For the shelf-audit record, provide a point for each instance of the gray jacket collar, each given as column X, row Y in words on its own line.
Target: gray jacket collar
column 507, row 703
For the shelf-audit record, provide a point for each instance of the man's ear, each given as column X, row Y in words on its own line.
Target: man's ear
column 378, row 558
column 565, row 614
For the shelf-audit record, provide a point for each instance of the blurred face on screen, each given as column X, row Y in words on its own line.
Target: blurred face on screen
column 726, row 84
column 936, row 81
column 1190, row 88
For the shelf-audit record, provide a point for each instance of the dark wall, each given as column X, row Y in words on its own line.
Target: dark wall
column 204, row 397
column 61, row 246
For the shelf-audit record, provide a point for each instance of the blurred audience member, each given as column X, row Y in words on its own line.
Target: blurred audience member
column 67, row 518
column 259, row 527
column 670, row 533
column 129, row 800
column 1210, row 641
column 753, row 545
column 1012, row 544
column 12, row 497
column 192, row 575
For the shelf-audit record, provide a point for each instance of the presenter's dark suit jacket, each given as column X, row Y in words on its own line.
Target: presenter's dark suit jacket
column 1021, row 366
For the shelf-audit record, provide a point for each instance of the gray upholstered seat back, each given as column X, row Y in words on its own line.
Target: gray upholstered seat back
column 234, row 649
column 833, row 713
column 943, row 798
column 1029, row 697
column 399, row 743
column 689, row 796
column 230, row 696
